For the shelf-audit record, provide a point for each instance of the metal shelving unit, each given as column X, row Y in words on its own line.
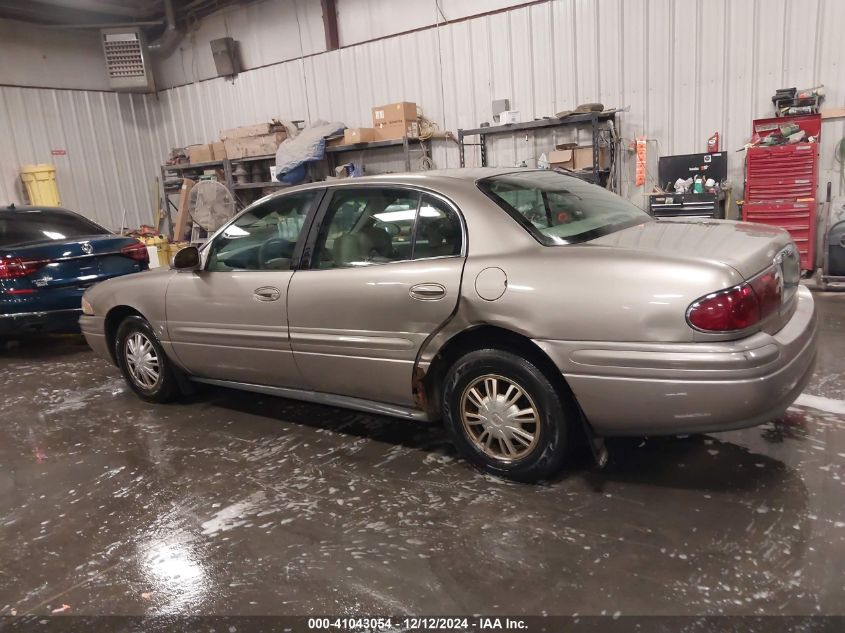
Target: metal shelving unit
column 259, row 185
column 225, row 164
column 405, row 142
column 591, row 119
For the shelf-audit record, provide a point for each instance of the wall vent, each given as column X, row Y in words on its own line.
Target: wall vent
column 127, row 62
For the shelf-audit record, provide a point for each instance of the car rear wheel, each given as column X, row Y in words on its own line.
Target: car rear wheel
column 142, row 361
column 505, row 416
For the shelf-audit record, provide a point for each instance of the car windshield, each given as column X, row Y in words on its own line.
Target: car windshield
column 42, row 225
column 559, row 209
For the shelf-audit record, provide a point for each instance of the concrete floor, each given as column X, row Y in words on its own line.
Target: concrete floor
column 236, row 504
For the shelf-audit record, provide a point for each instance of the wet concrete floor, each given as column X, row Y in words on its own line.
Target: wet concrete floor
column 231, row 503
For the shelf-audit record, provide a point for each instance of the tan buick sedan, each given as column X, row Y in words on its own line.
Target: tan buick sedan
column 519, row 306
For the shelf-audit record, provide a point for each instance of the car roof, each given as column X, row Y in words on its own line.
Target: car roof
column 13, row 208
column 439, row 180
column 433, row 176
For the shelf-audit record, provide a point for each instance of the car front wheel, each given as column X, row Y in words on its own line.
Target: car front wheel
column 142, row 361
column 505, row 416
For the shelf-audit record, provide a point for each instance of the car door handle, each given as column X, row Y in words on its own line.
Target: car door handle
column 267, row 293
column 427, row 292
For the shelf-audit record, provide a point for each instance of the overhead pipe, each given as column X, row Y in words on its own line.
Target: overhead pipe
column 104, row 25
column 168, row 41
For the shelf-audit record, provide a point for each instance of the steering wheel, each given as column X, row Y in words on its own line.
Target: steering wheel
column 265, row 247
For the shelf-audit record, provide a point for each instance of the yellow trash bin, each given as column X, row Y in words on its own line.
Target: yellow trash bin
column 40, row 183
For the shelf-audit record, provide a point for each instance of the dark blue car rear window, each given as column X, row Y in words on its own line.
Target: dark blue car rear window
column 22, row 227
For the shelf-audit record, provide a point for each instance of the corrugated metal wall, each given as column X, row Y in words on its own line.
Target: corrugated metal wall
column 112, row 143
column 686, row 68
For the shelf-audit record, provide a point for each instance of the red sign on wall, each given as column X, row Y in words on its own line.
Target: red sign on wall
column 58, row 152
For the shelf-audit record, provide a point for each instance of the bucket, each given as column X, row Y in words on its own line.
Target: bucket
column 40, row 183
column 162, row 249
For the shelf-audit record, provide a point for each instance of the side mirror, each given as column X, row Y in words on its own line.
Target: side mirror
column 187, row 259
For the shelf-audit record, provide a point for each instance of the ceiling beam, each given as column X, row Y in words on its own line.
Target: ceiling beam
column 107, row 7
column 330, row 24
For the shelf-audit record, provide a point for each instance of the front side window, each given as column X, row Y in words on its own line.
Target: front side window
column 263, row 238
column 560, row 209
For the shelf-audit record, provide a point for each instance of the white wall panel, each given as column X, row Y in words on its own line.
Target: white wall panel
column 267, row 33
column 111, row 148
column 363, row 20
column 37, row 56
column 686, row 68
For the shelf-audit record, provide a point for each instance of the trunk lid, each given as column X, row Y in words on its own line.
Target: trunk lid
column 77, row 262
column 747, row 248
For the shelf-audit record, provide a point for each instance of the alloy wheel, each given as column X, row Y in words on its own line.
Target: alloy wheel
column 500, row 418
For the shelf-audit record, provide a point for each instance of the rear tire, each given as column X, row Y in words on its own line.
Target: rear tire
column 143, row 363
column 505, row 416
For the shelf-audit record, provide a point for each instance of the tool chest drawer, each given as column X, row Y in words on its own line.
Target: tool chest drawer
column 786, row 172
column 799, row 218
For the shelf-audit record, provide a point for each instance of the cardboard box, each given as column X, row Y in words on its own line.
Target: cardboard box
column 563, row 158
column 248, row 147
column 396, row 120
column 584, row 158
column 218, row 149
column 246, row 131
column 578, row 158
column 354, row 135
column 200, row 153
column 394, row 112
column 391, row 131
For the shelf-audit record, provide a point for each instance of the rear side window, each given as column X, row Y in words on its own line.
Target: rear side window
column 438, row 230
column 366, row 226
column 559, row 209
column 22, row 227
column 376, row 225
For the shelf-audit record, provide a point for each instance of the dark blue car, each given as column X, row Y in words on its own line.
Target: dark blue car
column 48, row 257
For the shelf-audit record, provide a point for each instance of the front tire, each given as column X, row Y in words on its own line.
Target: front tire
column 143, row 363
column 505, row 416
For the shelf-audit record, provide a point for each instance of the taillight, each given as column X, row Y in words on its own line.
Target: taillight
column 739, row 307
column 15, row 267
column 769, row 291
column 136, row 251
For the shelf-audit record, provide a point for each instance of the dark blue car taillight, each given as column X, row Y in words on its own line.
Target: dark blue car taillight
column 16, row 268
column 137, row 251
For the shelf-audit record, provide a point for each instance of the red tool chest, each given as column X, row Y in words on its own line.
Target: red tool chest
column 799, row 218
column 781, row 181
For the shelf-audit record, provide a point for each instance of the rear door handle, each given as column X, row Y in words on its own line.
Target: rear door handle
column 267, row 293
column 427, row 292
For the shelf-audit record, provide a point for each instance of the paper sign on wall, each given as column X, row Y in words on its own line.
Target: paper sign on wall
column 641, row 158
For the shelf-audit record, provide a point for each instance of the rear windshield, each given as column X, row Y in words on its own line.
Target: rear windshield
column 559, row 209
column 21, row 227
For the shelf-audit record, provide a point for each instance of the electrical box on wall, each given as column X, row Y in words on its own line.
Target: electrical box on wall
column 127, row 62
column 224, row 52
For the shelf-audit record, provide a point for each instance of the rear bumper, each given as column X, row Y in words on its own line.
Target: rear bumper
column 94, row 330
column 667, row 389
column 41, row 322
